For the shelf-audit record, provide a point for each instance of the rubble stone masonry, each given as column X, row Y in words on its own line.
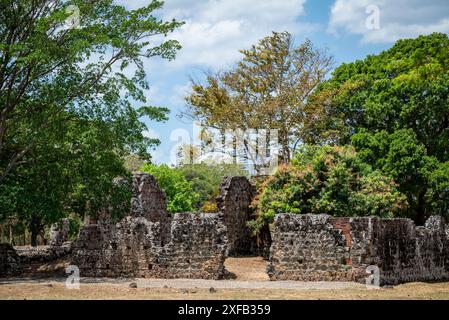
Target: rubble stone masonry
column 322, row 248
column 9, row 261
column 234, row 200
column 151, row 243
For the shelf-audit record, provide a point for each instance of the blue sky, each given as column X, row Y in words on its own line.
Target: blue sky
column 216, row 29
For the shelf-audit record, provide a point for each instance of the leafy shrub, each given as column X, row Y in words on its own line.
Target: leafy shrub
column 206, row 181
column 179, row 191
column 330, row 180
column 438, row 191
column 210, row 206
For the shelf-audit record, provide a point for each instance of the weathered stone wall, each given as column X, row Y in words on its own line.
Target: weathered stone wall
column 319, row 247
column 43, row 254
column 151, row 243
column 59, row 233
column 9, row 261
column 150, row 202
column 402, row 251
column 133, row 248
column 236, row 195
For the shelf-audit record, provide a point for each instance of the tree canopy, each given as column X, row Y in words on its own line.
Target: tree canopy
column 268, row 89
column 50, row 73
column 331, row 180
column 394, row 108
column 206, row 180
column 179, row 192
column 72, row 101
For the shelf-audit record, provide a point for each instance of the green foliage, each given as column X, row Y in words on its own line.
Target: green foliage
column 438, row 192
column 394, row 108
column 206, row 181
column 64, row 177
column 66, row 117
column 52, row 73
column 330, row 180
column 179, row 191
column 192, row 187
column 268, row 88
column 75, row 224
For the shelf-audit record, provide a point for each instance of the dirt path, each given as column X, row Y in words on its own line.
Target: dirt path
column 248, row 268
column 57, row 290
column 248, row 273
column 250, row 282
column 187, row 284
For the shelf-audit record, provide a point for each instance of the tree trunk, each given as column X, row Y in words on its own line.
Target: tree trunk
column 11, row 236
column 33, row 238
column 3, row 116
column 42, row 234
column 421, row 209
column 34, row 229
column 285, row 148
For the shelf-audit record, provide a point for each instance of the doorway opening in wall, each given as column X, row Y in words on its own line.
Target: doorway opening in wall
column 247, row 268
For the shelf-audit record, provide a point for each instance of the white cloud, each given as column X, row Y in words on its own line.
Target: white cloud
column 216, row 30
column 179, row 93
column 398, row 19
column 155, row 95
column 151, row 134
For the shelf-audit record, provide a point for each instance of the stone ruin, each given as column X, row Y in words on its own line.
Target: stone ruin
column 134, row 247
column 35, row 256
column 9, row 261
column 59, row 247
column 151, row 243
column 322, row 248
column 15, row 261
column 233, row 202
column 59, row 233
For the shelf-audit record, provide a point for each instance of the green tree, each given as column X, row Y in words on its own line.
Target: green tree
column 394, row 108
column 72, row 173
column 268, row 89
column 66, row 118
column 50, row 72
column 180, row 194
column 206, row 180
column 330, row 180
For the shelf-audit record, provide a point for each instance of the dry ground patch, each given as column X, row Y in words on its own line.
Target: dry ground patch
column 37, row 291
column 250, row 281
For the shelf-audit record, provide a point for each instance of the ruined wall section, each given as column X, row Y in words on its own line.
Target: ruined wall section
column 309, row 248
column 198, row 246
column 319, row 247
column 402, row 251
column 151, row 243
column 234, row 200
column 9, row 261
column 149, row 201
column 59, row 233
column 133, row 248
